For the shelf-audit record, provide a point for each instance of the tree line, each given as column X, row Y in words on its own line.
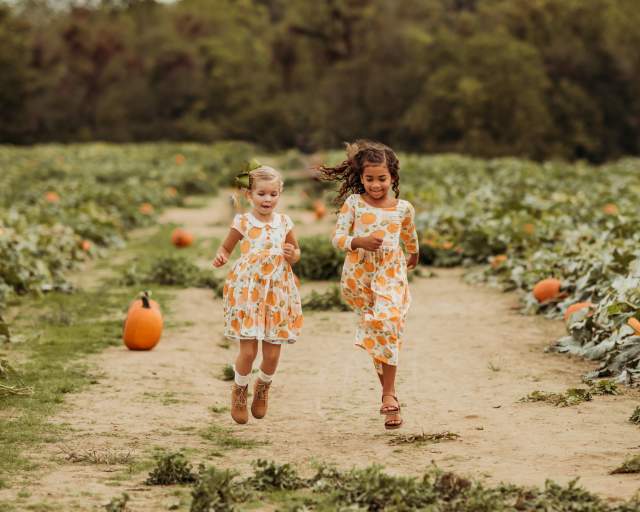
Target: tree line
column 535, row 78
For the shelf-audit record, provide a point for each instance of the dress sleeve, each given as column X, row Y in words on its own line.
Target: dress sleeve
column 288, row 224
column 408, row 233
column 342, row 234
column 240, row 224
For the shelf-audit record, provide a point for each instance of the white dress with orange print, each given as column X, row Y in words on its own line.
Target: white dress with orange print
column 261, row 299
column 374, row 283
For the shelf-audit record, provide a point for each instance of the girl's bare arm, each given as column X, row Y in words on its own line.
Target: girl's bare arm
column 291, row 248
column 225, row 250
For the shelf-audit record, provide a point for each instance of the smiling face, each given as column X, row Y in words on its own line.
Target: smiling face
column 376, row 180
column 264, row 196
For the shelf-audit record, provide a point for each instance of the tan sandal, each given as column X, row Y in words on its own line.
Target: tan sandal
column 239, row 411
column 390, row 424
column 260, row 399
column 390, row 409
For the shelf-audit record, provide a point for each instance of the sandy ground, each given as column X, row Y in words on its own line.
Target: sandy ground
column 468, row 357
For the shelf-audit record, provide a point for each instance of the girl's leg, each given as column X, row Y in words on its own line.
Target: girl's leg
column 389, row 400
column 378, row 367
column 246, row 356
column 270, row 357
column 244, row 362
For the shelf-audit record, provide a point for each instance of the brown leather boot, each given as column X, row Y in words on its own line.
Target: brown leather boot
column 239, row 403
column 260, row 399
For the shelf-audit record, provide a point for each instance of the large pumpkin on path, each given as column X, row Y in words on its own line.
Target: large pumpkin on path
column 143, row 325
column 546, row 289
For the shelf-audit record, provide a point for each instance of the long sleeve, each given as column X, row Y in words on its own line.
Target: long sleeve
column 408, row 233
column 342, row 235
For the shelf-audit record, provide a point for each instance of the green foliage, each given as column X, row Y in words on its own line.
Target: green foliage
column 228, row 373
column 118, row 504
column 54, row 200
column 572, row 396
column 170, row 270
column 423, row 438
column 635, row 416
column 577, row 223
column 487, row 80
column 270, row 476
column 330, row 300
column 320, row 260
column 171, row 468
column 604, row 387
column 216, row 491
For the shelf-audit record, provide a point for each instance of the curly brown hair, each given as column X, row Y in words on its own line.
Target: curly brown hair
column 349, row 172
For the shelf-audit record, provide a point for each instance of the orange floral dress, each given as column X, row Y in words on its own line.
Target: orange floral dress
column 261, row 299
column 374, row 283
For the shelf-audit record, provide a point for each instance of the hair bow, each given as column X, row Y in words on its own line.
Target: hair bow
column 242, row 179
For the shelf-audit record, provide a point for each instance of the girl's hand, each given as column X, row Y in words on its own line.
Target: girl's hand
column 368, row 243
column 412, row 261
column 290, row 253
column 221, row 258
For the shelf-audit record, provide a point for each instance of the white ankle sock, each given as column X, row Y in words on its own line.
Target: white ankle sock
column 241, row 380
column 264, row 377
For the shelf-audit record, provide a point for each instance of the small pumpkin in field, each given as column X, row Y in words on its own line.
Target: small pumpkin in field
column 546, row 289
column 143, row 325
column 634, row 323
column 498, row 260
column 85, row 245
column 146, row 209
column 576, row 307
column 52, row 197
column 610, row 209
column 319, row 209
column 529, row 228
column 181, row 238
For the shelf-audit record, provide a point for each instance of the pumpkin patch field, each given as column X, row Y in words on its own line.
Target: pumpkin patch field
column 517, row 377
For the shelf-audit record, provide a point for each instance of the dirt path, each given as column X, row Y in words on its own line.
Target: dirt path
column 469, row 356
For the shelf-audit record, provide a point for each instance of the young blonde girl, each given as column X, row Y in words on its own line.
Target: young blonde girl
column 372, row 223
column 261, row 299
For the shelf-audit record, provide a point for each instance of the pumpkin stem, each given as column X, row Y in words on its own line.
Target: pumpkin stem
column 144, row 296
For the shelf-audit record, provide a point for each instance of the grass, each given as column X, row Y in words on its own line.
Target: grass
column 224, row 438
column 106, row 457
column 423, row 438
column 228, row 373
column 635, row 416
column 571, row 396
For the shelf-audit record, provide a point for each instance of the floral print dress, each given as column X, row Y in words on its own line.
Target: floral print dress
column 261, row 298
column 374, row 283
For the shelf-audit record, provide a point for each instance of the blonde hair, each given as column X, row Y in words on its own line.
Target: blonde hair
column 265, row 173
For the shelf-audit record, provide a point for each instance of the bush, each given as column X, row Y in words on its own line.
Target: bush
column 320, row 260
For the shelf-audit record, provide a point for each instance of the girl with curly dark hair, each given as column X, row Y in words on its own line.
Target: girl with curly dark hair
column 372, row 224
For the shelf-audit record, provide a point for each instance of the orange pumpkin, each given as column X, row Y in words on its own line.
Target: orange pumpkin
column 146, row 209
column 546, row 289
column 634, row 323
column 51, row 197
column 610, row 209
column 575, row 307
column 181, row 238
column 180, row 159
column 143, row 326
column 498, row 260
column 529, row 228
column 319, row 209
column 171, row 191
column 85, row 245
